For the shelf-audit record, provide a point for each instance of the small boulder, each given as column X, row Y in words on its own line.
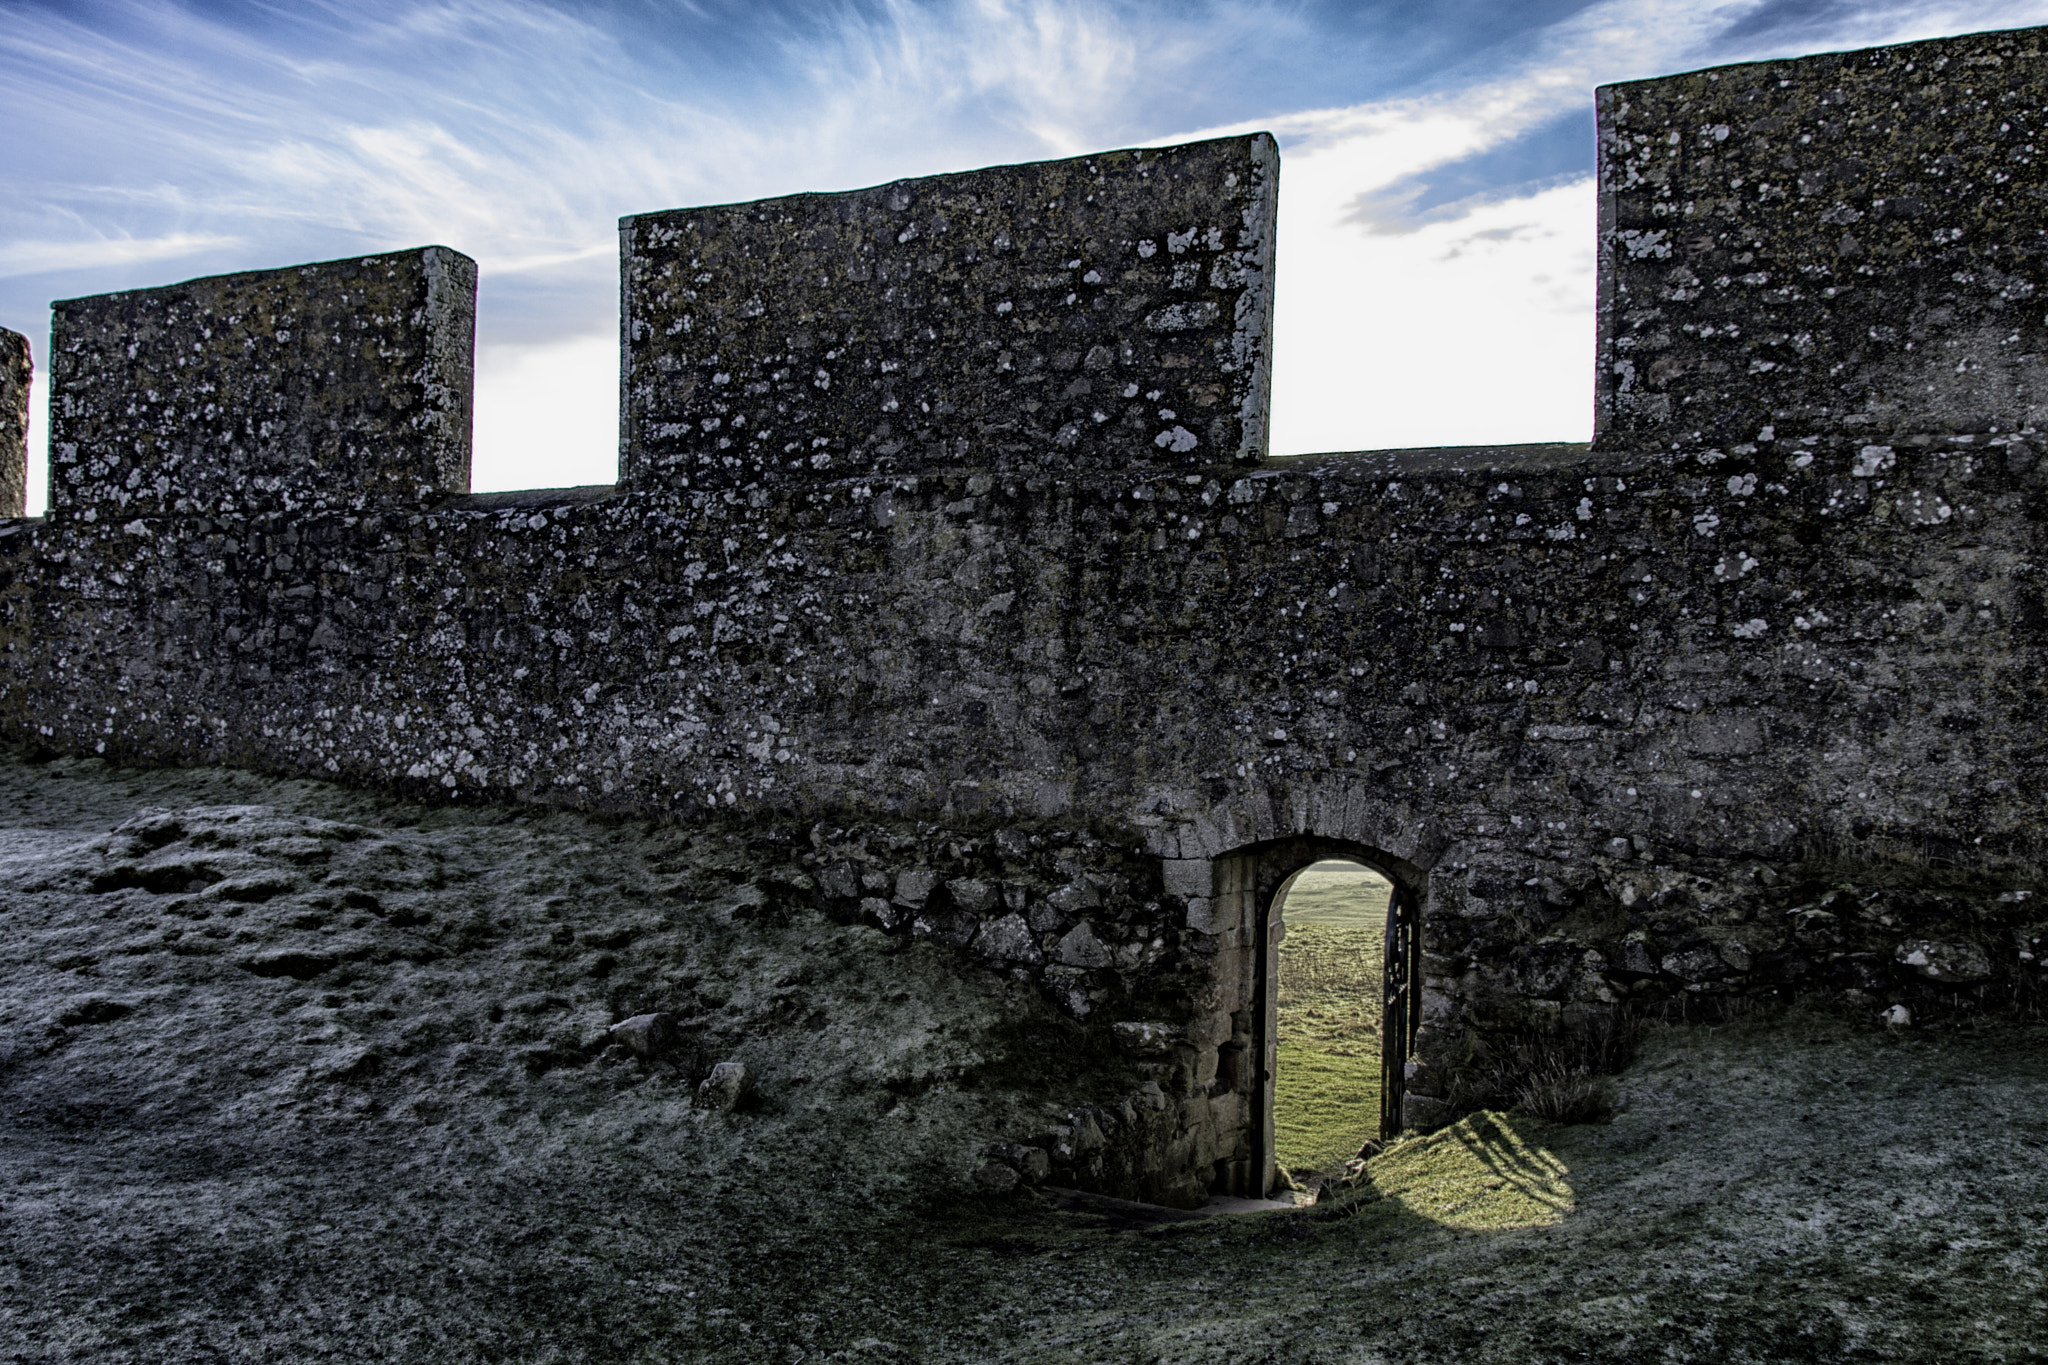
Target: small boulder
column 974, row 894
column 881, row 913
column 1695, row 964
column 1007, row 940
column 726, row 1086
column 914, row 887
column 1031, row 1164
column 1898, row 1016
column 1631, row 957
column 646, row 1035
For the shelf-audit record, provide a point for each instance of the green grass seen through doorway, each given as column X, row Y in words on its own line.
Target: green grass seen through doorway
column 1327, row 1090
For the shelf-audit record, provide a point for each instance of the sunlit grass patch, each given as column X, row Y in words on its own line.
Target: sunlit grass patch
column 1488, row 1171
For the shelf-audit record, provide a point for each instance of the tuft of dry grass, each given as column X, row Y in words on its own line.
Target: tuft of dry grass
column 1561, row 1077
column 1563, row 1093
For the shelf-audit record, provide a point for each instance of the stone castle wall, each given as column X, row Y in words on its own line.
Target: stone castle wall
column 1739, row 702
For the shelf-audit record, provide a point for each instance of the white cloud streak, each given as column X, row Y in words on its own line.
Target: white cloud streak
column 41, row 258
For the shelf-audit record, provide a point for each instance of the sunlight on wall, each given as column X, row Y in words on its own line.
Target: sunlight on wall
column 38, row 437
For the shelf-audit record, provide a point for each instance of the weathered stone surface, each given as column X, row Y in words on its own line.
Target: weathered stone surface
column 1081, row 948
column 975, row 895
column 1109, row 313
column 1008, row 940
column 1958, row 962
column 1148, row 1038
column 1188, row 877
column 915, row 887
column 1843, row 247
column 15, row 374
column 333, row 386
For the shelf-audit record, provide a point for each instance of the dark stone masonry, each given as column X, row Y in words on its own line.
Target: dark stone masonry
column 946, row 559
column 329, row 387
column 14, row 388
column 1029, row 320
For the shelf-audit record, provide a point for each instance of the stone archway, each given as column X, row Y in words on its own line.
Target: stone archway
column 1248, row 886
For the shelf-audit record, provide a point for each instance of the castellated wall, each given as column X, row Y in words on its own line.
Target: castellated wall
column 944, row 545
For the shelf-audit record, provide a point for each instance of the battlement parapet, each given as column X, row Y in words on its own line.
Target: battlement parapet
column 337, row 385
column 1108, row 312
column 1841, row 246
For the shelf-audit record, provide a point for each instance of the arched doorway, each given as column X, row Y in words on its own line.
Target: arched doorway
column 1257, row 880
column 1329, row 942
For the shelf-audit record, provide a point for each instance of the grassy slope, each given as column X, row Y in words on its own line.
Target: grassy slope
column 194, row 1180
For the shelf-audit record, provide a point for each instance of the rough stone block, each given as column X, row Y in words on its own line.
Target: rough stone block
column 974, row 894
column 1838, row 244
column 915, row 886
column 335, row 386
column 1209, row 916
column 1007, row 940
column 1425, row 1113
column 16, row 369
column 1209, row 1028
column 1145, row 1038
column 1081, row 948
column 1188, row 877
column 1108, row 312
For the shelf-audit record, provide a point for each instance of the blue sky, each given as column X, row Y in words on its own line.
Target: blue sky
column 1436, row 212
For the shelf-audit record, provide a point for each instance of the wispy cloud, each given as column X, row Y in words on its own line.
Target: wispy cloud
column 42, row 258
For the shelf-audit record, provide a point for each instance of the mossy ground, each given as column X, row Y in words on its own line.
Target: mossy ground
column 217, row 1174
column 1327, row 1087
